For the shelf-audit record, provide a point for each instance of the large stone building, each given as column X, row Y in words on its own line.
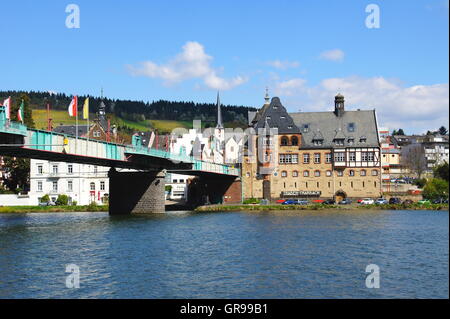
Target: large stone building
column 316, row 155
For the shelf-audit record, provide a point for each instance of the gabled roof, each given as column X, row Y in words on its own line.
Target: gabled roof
column 331, row 126
column 71, row 129
column 275, row 116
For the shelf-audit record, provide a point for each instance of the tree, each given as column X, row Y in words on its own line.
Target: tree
column 443, row 130
column 441, row 171
column 413, row 158
column 435, row 188
column 62, row 200
column 17, row 173
column 27, row 112
column 399, row 132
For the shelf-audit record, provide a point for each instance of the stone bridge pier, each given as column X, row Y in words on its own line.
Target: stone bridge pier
column 136, row 192
column 215, row 190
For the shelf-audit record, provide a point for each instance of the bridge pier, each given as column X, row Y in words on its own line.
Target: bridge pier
column 136, row 192
column 215, row 190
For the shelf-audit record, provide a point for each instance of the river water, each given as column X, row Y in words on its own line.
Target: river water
column 225, row 255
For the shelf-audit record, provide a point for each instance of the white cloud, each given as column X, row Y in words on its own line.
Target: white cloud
column 191, row 63
column 283, row 65
column 416, row 108
column 333, row 55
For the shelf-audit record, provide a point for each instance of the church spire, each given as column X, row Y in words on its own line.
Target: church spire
column 219, row 113
column 267, row 98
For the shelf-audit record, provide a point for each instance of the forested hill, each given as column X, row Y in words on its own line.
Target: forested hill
column 138, row 111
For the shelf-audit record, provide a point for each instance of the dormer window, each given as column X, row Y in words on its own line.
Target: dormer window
column 267, row 117
column 351, row 127
column 338, row 141
column 351, row 140
column 290, row 127
column 282, row 117
column 363, row 139
column 305, row 128
column 318, row 142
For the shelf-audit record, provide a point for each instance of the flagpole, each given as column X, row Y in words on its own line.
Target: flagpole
column 76, row 125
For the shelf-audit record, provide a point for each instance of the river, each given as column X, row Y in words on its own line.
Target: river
column 317, row 254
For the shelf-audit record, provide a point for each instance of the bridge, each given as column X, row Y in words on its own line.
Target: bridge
column 140, row 191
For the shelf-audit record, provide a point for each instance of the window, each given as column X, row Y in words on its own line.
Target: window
column 70, row 168
column 305, row 128
column 95, row 169
column 351, row 173
column 306, row 158
column 175, row 181
column 69, row 186
column 363, row 139
column 55, row 186
column 328, row 158
column 316, row 158
column 294, row 173
column 374, row 172
column 294, row 158
column 267, row 141
column 352, row 156
column 351, row 127
column 351, row 140
column 339, row 157
column 317, row 173
column 40, row 169
column 306, row 173
column 283, row 174
column 340, row 173
column 284, row 141
column 338, row 141
column 55, row 169
column 39, row 186
column 328, row 173
column 102, row 185
column 181, row 180
column 367, row 156
column 362, row 172
column 92, row 186
column 317, row 142
column 294, row 140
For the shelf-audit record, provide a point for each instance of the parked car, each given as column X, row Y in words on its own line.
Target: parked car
column 440, row 201
column 318, row 201
column 280, row 201
column 295, row 202
column 329, row 202
column 367, row 201
column 407, row 202
column 50, row 203
column 424, row 202
column 345, row 201
column 395, row 200
column 381, row 201
column 359, row 201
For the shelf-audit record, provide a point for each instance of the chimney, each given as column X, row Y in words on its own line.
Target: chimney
column 339, row 105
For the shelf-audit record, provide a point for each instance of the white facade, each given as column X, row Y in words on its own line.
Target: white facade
column 178, row 183
column 81, row 182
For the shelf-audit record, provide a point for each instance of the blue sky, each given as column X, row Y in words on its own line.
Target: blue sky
column 304, row 51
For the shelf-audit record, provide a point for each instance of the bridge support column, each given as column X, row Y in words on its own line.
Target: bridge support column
column 136, row 192
column 217, row 190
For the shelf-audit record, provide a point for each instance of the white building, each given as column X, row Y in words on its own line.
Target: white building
column 80, row 182
column 178, row 184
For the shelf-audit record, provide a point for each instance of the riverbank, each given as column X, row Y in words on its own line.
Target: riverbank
column 257, row 207
column 52, row 209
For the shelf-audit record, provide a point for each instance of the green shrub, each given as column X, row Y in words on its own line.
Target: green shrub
column 62, row 200
column 251, row 201
column 420, row 182
column 45, row 198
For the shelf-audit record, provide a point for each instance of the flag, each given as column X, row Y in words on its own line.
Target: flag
column 20, row 112
column 73, row 107
column 7, row 105
column 152, row 139
column 86, row 109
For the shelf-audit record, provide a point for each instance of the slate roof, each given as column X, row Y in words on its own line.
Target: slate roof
column 330, row 126
column 276, row 116
column 71, row 129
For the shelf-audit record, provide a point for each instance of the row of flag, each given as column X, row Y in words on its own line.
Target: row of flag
column 73, row 107
column 7, row 106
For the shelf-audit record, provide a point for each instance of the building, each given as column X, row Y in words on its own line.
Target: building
column 334, row 154
column 80, row 182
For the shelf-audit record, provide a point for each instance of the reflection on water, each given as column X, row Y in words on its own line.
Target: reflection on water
column 225, row 255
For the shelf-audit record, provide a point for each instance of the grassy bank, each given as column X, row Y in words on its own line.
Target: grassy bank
column 250, row 207
column 52, row 209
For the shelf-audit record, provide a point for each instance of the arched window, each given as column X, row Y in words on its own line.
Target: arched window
column 283, row 174
column 306, row 173
column 317, row 173
column 294, row 140
column 284, row 141
column 374, row 172
column 92, row 186
column 351, row 173
column 328, row 173
column 294, row 173
column 362, row 172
